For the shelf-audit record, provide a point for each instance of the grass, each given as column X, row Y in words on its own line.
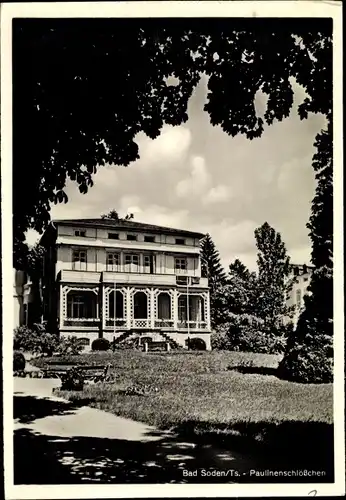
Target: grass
column 223, row 396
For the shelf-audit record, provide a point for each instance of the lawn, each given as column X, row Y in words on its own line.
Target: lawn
column 234, row 398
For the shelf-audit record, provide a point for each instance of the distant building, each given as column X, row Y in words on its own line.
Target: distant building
column 118, row 278
column 302, row 276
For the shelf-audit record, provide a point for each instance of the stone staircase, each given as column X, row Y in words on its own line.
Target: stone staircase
column 157, row 335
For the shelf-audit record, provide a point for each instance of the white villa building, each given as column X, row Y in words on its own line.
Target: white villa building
column 302, row 277
column 119, row 278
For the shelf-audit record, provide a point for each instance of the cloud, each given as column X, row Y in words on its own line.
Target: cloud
column 198, row 180
column 218, row 194
column 197, row 177
column 167, row 149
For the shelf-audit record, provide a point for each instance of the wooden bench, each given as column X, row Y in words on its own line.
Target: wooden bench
column 161, row 345
column 56, row 369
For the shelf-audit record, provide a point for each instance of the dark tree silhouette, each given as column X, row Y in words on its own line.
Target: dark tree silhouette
column 309, row 353
column 212, row 269
column 113, row 214
column 242, row 289
column 83, row 89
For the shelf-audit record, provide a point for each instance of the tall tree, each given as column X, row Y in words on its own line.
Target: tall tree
column 34, row 268
column 273, row 276
column 242, row 286
column 309, row 352
column 212, row 269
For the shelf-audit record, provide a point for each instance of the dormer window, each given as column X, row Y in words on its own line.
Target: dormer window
column 149, row 239
column 80, row 233
column 131, row 237
column 113, row 236
column 180, row 241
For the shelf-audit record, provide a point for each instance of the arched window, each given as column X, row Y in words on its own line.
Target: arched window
column 190, row 308
column 164, row 306
column 140, row 305
column 116, row 310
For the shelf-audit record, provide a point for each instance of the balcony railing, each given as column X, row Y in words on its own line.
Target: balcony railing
column 80, row 322
column 193, row 325
column 141, row 323
column 117, row 322
column 164, row 323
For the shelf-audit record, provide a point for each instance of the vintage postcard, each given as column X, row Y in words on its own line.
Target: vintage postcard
column 172, row 243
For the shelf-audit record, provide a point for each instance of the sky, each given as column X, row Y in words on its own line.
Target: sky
column 197, row 177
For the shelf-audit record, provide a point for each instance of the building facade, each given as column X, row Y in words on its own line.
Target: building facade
column 301, row 275
column 119, row 278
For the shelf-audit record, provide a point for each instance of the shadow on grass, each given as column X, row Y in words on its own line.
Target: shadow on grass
column 278, row 446
column 162, row 457
column 260, row 370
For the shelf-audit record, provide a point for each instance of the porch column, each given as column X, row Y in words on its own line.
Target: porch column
column 206, row 298
column 151, row 307
column 129, row 312
column 103, row 307
column 61, row 309
column 175, row 309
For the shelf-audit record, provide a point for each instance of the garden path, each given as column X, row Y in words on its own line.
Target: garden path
column 70, row 443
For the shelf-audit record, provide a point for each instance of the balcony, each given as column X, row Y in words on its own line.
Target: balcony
column 121, row 278
column 152, row 279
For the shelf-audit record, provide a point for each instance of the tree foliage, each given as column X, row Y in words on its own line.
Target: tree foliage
column 242, row 289
column 212, row 269
column 113, row 214
column 71, row 117
column 273, row 284
column 309, row 353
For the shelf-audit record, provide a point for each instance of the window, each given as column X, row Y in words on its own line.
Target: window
column 180, row 264
column 179, row 241
column 78, row 232
column 116, row 309
column 164, row 306
column 149, row 264
column 113, row 261
column 140, row 305
column 79, row 260
column 131, row 237
column 190, row 308
column 182, row 280
column 131, row 263
column 81, row 305
column 149, row 239
column 113, row 236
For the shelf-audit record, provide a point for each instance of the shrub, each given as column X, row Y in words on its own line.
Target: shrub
column 18, row 361
column 197, row 344
column 220, row 341
column 72, row 380
column 307, row 364
column 35, row 340
column 69, row 346
column 131, row 343
column 100, row 344
column 247, row 333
